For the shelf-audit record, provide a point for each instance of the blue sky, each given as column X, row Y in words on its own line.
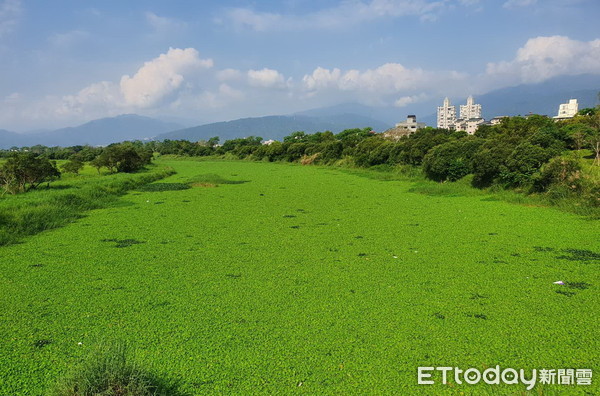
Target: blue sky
column 67, row 62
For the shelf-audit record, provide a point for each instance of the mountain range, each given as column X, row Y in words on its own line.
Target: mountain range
column 541, row 98
column 276, row 127
column 97, row 132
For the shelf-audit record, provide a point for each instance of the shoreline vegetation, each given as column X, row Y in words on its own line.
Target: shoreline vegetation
column 60, row 203
column 529, row 161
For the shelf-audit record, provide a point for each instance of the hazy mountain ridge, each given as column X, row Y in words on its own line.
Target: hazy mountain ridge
column 274, row 127
column 96, row 133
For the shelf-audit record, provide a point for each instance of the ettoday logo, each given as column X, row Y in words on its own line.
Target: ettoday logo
column 496, row 376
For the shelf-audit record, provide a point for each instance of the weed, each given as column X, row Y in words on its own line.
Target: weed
column 155, row 187
column 109, row 370
column 566, row 293
column 41, row 343
column 121, row 243
column 578, row 285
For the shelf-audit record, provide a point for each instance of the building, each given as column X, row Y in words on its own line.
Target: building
column 469, row 120
column 446, row 115
column 567, row 110
column 470, row 110
column 497, row 120
column 411, row 124
column 406, row 128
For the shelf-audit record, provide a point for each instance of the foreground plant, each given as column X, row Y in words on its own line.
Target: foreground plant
column 109, row 371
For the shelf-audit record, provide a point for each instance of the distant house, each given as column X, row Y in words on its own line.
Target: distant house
column 469, row 125
column 567, row 110
column 405, row 128
column 268, row 142
column 497, row 120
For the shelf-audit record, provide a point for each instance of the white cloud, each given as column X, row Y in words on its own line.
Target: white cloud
column 266, row 78
column 229, row 75
column 385, row 79
column 163, row 24
column 545, row 57
column 102, row 96
column 161, row 76
column 179, row 82
column 345, row 14
column 518, row 3
column 406, row 100
column 13, row 98
column 386, row 85
column 10, row 10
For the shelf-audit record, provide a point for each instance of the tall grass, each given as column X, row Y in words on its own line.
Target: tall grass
column 48, row 208
column 110, row 371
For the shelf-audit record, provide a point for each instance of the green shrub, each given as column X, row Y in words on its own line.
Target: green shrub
column 564, row 172
column 109, row 371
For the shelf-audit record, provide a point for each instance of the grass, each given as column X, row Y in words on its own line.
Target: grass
column 110, row 371
column 66, row 200
column 303, row 280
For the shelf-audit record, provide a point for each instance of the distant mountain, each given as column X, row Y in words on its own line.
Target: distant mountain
column 386, row 115
column 542, row 98
column 274, row 127
column 9, row 139
column 98, row 132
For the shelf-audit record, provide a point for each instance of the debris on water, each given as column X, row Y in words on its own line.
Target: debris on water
column 559, row 283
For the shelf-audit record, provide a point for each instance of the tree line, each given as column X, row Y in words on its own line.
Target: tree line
column 26, row 169
column 526, row 153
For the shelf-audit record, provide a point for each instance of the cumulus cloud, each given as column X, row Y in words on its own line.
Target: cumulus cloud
column 266, row 78
column 161, row 76
column 386, row 85
column 545, row 57
column 10, row 10
column 345, row 14
column 181, row 83
column 102, row 96
column 385, row 79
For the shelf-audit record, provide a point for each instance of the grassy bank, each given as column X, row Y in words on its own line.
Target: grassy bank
column 59, row 203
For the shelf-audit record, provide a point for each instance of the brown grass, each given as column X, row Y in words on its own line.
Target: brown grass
column 309, row 159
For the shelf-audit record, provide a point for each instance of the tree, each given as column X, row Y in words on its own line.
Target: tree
column 296, row 137
column 213, row 141
column 25, row 171
column 124, row 157
column 74, row 165
column 521, row 165
column 565, row 172
column 451, row 161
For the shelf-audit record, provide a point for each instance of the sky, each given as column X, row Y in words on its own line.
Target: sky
column 63, row 63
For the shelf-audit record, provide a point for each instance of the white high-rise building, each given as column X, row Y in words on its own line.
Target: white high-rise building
column 446, row 115
column 470, row 110
column 568, row 110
